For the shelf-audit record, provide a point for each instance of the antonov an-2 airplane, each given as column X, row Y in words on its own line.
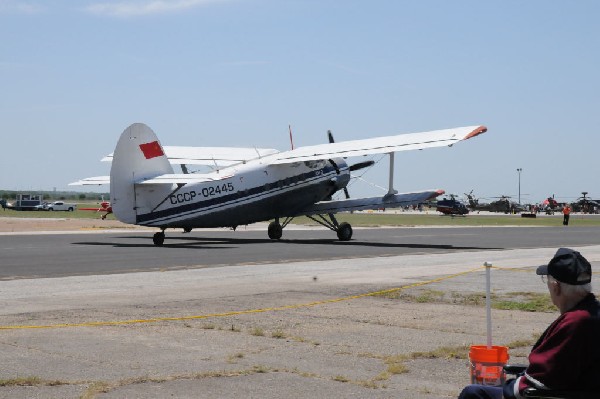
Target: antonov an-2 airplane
column 251, row 185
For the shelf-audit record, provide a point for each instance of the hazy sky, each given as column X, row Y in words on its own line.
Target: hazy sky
column 75, row 74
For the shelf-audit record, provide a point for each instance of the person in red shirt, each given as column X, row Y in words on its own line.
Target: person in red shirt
column 566, row 213
column 567, row 355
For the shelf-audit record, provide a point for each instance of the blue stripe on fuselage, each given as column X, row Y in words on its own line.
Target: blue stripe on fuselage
column 166, row 217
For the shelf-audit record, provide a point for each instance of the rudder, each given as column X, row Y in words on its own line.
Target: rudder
column 137, row 156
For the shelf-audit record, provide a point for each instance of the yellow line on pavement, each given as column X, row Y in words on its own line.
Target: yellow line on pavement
column 237, row 313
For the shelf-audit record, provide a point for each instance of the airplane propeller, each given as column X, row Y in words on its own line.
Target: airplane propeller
column 361, row 165
column 356, row 166
column 353, row 168
column 330, row 137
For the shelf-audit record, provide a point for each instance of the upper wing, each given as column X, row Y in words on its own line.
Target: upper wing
column 161, row 179
column 188, row 178
column 225, row 156
column 380, row 145
column 213, row 156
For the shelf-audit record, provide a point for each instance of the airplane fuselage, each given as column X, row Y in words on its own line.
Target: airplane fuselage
column 243, row 194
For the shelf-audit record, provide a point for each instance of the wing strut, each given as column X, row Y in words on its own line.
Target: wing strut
column 391, row 190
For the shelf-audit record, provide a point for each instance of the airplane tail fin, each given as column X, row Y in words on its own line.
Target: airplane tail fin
column 138, row 156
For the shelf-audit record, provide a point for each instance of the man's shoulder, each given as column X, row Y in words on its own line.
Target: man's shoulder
column 591, row 305
column 588, row 310
column 576, row 315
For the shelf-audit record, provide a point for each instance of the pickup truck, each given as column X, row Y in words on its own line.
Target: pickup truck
column 61, row 206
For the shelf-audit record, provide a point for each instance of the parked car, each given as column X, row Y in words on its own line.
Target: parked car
column 61, row 206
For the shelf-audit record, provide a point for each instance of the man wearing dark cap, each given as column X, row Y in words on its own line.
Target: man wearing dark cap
column 567, row 355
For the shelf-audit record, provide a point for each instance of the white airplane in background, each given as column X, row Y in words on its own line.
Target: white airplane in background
column 251, row 185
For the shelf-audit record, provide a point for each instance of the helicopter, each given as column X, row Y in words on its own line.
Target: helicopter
column 502, row 204
column 585, row 204
column 451, row 206
column 550, row 205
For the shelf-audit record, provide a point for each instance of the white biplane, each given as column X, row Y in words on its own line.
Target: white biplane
column 250, row 185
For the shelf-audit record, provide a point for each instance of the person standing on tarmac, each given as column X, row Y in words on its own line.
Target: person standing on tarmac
column 566, row 212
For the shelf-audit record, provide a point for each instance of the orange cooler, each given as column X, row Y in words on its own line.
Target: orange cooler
column 487, row 364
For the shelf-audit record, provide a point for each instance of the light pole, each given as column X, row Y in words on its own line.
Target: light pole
column 519, row 170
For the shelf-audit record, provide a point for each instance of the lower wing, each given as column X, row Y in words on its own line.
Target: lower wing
column 359, row 204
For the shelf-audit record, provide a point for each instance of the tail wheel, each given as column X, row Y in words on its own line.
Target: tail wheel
column 275, row 231
column 344, row 231
column 159, row 238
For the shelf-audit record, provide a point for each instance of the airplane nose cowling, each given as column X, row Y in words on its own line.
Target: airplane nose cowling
column 341, row 181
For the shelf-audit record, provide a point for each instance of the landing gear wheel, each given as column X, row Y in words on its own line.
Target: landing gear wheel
column 275, row 231
column 159, row 238
column 344, row 231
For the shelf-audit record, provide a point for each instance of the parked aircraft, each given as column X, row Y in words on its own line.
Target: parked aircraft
column 251, row 185
column 502, row 204
column 585, row 204
column 550, row 205
column 104, row 207
column 451, row 206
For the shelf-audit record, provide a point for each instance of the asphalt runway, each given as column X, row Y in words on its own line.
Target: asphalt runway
column 38, row 255
column 232, row 314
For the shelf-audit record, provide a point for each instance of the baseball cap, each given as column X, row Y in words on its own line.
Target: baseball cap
column 568, row 266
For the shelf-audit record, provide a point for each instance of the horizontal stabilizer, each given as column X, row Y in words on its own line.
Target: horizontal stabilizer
column 358, row 204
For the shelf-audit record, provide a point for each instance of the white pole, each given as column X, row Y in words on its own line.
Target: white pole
column 488, row 303
column 391, row 190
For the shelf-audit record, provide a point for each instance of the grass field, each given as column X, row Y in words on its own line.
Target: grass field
column 430, row 218
column 435, row 219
